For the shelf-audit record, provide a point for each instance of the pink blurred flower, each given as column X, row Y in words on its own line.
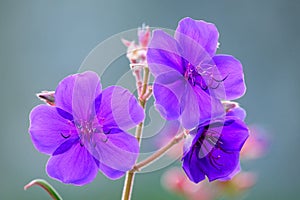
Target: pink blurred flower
column 239, row 184
column 176, row 181
column 257, row 144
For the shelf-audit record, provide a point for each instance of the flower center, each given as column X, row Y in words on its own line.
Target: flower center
column 203, row 76
column 209, row 145
column 87, row 130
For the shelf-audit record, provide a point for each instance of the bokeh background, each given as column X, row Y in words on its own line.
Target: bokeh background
column 41, row 42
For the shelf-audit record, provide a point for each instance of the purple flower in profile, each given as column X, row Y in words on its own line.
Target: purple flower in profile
column 213, row 149
column 190, row 79
column 85, row 131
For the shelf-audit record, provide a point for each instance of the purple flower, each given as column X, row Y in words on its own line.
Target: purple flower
column 190, row 79
column 213, row 149
column 86, row 130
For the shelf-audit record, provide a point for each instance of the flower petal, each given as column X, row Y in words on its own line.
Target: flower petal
column 64, row 93
column 48, row 129
column 190, row 115
column 210, row 107
column 230, row 176
column 192, row 167
column 219, row 164
column 189, row 32
column 168, row 89
column 231, row 71
column 75, row 94
column 110, row 172
column 76, row 166
column 234, row 135
column 87, row 87
column 238, row 112
column 119, row 108
column 117, row 150
column 163, row 54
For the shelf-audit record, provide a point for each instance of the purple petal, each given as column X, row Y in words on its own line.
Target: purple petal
column 163, row 54
column 231, row 71
column 87, row 87
column 168, row 89
column 192, row 167
column 237, row 112
column 110, row 172
column 210, row 107
column 48, row 129
column 64, row 93
column 119, row 108
column 76, row 166
column 75, row 94
column 234, row 135
column 192, row 34
column 190, row 115
column 68, row 144
column 191, row 139
column 230, row 176
column 118, row 151
column 219, row 164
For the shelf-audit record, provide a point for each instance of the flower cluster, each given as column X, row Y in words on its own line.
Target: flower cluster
column 85, row 129
column 191, row 81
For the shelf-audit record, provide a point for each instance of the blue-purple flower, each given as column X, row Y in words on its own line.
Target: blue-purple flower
column 85, row 131
column 212, row 149
column 190, row 79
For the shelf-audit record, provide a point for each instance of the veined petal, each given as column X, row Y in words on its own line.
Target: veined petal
column 233, row 173
column 168, row 89
column 76, row 166
column 119, row 108
column 164, row 54
column 219, row 164
column 48, row 129
column 230, row 70
column 189, row 32
column 192, row 167
column 110, row 172
column 75, row 94
column 87, row 87
column 238, row 112
column 234, row 135
column 190, row 116
column 117, row 150
column 64, row 93
column 210, row 107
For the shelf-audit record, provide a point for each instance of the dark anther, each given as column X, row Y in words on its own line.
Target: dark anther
column 81, row 144
column 203, row 87
column 215, row 86
column 105, row 140
column 219, row 81
column 65, row 136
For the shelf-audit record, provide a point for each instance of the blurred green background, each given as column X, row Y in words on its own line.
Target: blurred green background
column 41, row 42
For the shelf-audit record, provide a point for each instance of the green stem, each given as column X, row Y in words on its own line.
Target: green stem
column 46, row 186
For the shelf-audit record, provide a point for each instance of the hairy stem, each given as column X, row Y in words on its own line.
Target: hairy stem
column 158, row 153
column 128, row 184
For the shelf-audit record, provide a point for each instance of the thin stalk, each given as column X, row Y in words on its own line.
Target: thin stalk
column 128, row 184
column 46, row 186
column 158, row 153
